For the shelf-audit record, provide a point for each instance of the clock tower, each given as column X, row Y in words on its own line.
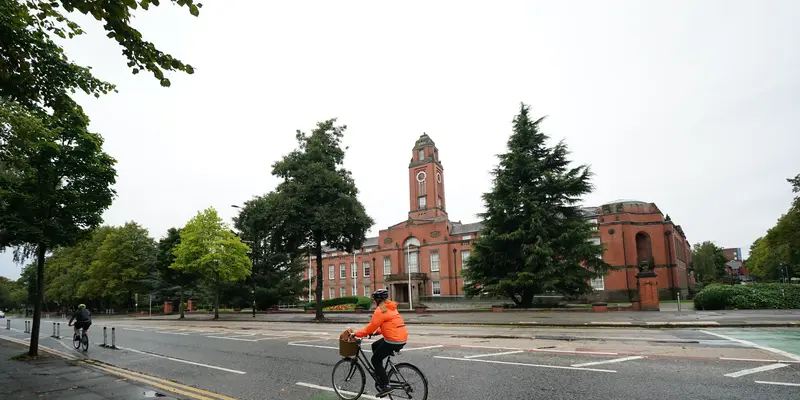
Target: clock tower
column 426, row 182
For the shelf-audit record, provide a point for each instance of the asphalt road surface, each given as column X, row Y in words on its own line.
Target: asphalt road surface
column 294, row 361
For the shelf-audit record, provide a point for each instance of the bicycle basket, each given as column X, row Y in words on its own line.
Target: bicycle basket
column 348, row 349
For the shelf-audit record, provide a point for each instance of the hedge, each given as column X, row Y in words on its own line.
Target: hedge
column 359, row 301
column 748, row 297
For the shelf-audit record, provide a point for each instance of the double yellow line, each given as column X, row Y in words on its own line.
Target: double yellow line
column 163, row 384
column 170, row 386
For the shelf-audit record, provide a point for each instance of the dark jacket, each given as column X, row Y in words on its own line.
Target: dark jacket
column 82, row 315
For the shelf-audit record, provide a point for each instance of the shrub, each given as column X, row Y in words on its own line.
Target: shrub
column 359, row 301
column 748, row 297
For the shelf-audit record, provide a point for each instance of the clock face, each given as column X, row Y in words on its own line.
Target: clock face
column 421, row 176
column 438, row 177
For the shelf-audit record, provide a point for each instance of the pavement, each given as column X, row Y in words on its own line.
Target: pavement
column 225, row 360
column 633, row 319
column 51, row 376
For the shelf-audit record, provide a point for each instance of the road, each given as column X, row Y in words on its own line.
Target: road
column 256, row 360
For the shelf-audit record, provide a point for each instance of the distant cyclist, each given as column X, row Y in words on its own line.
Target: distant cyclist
column 386, row 321
column 82, row 318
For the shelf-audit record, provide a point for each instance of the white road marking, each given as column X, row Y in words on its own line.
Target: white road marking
column 758, row 346
column 308, row 332
column 615, row 360
column 422, row 348
column 525, row 365
column 758, row 360
column 322, row 347
column 779, row 383
column 762, row 368
column 184, row 361
column 134, row 329
column 173, row 333
column 598, row 353
column 495, row 354
column 244, row 336
column 245, row 340
column 313, row 386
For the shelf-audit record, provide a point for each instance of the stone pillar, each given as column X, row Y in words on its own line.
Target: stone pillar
column 167, row 307
column 647, row 282
column 190, row 305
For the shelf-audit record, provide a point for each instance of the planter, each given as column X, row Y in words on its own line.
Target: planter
column 420, row 310
column 600, row 307
column 637, row 305
column 359, row 310
column 311, row 311
column 498, row 308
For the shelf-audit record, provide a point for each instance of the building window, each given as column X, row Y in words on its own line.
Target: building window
column 421, row 155
column 331, row 272
column 342, row 271
column 353, row 270
column 464, row 258
column 331, row 293
column 411, row 262
column 342, row 292
column 596, row 240
column 366, row 269
column 387, row 265
column 367, row 291
column 436, row 288
column 598, row 283
column 435, row 261
column 594, row 224
column 421, row 202
column 466, row 237
column 439, row 202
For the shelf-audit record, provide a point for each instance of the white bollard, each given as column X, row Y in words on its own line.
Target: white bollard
column 113, row 338
column 54, row 330
column 8, row 324
column 58, row 330
column 105, row 337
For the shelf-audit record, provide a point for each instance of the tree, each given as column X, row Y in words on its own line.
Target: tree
column 709, row 261
column 55, row 186
column 121, row 265
column 171, row 279
column 35, row 71
column 535, row 238
column 317, row 203
column 209, row 249
column 777, row 255
column 277, row 275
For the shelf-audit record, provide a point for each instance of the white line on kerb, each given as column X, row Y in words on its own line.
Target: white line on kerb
column 615, row 360
column 422, row 348
column 758, row 360
column 184, row 361
column 525, row 365
column 762, row 368
column 758, row 346
column 779, row 383
column 313, row 386
column 495, row 354
column 598, row 353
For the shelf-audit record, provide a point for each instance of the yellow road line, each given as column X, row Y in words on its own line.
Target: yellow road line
column 127, row 372
column 151, row 383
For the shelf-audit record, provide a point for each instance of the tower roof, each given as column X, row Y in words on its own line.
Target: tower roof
column 424, row 141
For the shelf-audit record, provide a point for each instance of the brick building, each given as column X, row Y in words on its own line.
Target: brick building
column 735, row 266
column 427, row 250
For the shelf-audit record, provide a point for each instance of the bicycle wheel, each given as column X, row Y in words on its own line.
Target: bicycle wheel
column 76, row 341
column 85, row 342
column 411, row 379
column 348, row 379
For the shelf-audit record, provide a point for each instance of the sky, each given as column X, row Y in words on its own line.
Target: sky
column 690, row 105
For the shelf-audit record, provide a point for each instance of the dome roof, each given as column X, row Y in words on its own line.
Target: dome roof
column 626, row 201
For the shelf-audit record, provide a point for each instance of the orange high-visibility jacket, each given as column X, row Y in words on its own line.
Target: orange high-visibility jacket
column 388, row 323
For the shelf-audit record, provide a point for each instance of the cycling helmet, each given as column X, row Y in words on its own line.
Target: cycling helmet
column 82, row 306
column 380, row 294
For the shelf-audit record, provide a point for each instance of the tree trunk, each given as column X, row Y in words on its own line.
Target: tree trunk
column 526, row 298
column 181, row 305
column 37, row 306
column 318, row 295
column 216, row 301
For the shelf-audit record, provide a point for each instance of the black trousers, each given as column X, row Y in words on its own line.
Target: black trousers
column 380, row 351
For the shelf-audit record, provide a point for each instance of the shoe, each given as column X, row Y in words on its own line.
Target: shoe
column 384, row 391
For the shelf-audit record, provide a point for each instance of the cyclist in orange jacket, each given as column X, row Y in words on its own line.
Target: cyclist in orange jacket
column 386, row 321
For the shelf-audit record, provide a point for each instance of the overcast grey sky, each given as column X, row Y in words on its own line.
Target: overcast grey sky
column 692, row 105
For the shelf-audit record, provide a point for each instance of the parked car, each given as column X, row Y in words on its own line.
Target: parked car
column 2, row 314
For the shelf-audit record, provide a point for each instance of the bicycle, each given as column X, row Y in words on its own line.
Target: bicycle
column 80, row 339
column 352, row 367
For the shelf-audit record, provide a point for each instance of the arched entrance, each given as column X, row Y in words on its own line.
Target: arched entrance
column 644, row 249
